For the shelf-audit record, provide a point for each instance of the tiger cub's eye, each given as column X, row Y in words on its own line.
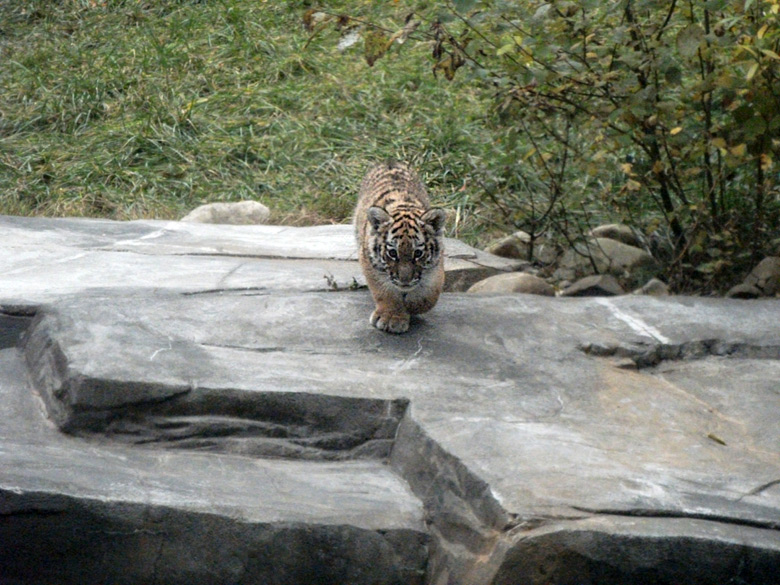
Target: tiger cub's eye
column 418, row 254
column 392, row 254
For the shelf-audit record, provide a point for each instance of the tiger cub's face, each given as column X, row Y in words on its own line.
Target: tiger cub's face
column 405, row 246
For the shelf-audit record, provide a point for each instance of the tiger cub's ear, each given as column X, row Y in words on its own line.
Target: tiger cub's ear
column 435, row 218
column 376, row 217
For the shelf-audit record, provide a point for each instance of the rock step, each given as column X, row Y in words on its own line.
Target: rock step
column 77, row 511
column 101, row 371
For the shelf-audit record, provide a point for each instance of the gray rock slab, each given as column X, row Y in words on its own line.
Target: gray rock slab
column 522, row 374
column 56, row 490
column 44, row 258
column 532, row 439
column 517, row 400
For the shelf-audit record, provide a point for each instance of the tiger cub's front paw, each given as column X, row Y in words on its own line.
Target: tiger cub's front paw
column 390, row 322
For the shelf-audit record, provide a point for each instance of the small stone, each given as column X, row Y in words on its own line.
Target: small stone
column 239, row 213
column 513, row 282
column 600, row 285
column 744, row 291
column 654, row 287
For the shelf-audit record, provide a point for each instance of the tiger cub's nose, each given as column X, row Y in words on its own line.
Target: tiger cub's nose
column 406, row 273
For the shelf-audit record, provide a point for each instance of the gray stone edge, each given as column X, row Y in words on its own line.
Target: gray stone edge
column 126, row 543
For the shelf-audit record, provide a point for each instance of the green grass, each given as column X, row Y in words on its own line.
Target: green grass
column 146, row 109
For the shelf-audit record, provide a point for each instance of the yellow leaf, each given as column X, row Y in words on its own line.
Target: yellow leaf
column 718, row 143
column 675, row 131
column 627, row 168
column 633, row 185
column 658, row 167
column 770, row 54
column 752, row 71
column 747, row 49
column 739, row 150
column 766, row 162
column 762, row 31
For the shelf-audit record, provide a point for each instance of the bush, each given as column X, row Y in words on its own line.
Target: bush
column 660, row 114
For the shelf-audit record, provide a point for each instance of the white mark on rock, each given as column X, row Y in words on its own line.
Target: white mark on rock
column 31, row 267
column 150, row 236
column 636, row 324
column 154, row 235
column 409, row 362
column 154, row 355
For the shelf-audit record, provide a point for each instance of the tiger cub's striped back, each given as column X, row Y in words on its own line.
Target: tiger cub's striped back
column 400, row 245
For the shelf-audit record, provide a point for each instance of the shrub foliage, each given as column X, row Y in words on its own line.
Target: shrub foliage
column 664, row 115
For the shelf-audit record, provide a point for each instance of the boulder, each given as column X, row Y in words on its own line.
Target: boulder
column 604, row 255
column 214, row 418
column 616, row 231
column 464, row 265
column 598, row 285
column 517, row 245
column 653, row 287
column 238, row 213
column 766, row 276
column 743, row 291
column 512, row 246
column 513, row 282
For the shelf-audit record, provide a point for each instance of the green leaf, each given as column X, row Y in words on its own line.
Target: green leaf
column 505, row 49
column 673, row 75
column 754, row 127
column 542, row 12
column 689, row 40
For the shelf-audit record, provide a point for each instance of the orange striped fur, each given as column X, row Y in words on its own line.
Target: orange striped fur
column 400, row 245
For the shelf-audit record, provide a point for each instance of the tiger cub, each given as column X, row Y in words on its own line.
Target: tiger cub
column 400, row 245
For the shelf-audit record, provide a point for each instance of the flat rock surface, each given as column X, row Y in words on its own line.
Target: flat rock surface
column 515, row 388
column 527, row 428
column 44, row 258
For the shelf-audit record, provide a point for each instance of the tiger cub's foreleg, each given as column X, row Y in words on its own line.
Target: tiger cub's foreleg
column 390, row 313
